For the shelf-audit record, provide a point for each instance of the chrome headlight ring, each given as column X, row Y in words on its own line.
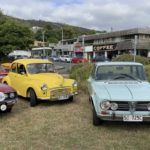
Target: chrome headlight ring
column 105, row 105
column 148, row 106
column 75, row 84
column 2, row 96
column 44, row 87
column 12, row 95
column 114, row 106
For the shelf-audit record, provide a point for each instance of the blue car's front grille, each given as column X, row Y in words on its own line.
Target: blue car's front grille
column 136, row 106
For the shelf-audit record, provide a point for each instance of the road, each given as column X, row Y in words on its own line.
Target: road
column 62, row 67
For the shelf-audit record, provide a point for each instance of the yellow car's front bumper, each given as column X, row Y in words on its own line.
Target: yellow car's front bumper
column 59, row 97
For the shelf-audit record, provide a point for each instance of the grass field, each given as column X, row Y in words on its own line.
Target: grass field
column 67, row 126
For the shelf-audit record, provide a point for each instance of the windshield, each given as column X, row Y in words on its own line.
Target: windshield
column 40, row 68
column 120, row 72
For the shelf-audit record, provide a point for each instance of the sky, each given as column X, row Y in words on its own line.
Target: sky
column 91, row 14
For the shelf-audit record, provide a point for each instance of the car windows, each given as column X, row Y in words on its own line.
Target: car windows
column 123, row 72
column 14, row 68
column 21, row 69
column 40, row 68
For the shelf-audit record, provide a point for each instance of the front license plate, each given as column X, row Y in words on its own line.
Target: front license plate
column 63, row 97
column 134, row 118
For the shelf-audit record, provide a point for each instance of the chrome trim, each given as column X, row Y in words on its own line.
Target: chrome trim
column 115, row 117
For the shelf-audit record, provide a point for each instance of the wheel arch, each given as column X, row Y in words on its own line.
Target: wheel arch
column 95, row 103
column 6, row 80
column 28, row 90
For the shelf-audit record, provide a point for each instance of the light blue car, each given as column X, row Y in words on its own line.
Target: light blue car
column 119, row 91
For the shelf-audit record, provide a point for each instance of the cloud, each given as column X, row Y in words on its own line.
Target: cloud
column 98, row 14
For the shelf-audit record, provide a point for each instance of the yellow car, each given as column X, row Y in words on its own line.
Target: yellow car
column 36, row 79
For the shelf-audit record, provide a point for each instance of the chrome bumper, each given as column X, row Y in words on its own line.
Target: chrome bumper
column 56, row 98
column 9, row 102
column 114, row 117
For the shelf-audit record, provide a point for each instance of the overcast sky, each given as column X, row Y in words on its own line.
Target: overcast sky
column 93, row 14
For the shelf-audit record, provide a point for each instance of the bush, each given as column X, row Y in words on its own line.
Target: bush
column 127, row 57
column 147, row 71
column 80, row 73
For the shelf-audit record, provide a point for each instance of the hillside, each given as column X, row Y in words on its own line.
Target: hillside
column 53, row 30
column 41, row 23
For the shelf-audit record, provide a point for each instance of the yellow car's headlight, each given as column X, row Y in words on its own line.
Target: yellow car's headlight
column 44, row 87
column 75, row 84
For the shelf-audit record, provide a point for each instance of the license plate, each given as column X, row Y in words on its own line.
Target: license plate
column 135, row 118
column 63, row 97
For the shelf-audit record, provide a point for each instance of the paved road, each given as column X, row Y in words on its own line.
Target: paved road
column 62, row 67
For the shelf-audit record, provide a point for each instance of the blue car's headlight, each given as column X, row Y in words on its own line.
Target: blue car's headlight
column 148, row 106
column 114, row 106
column 105, row 105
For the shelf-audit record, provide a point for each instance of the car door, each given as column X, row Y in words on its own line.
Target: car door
column 21, row 79
column 13, row 76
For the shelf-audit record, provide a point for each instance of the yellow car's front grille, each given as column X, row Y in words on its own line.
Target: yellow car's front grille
column 60, row 92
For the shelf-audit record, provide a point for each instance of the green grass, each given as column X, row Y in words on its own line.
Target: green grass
column 67, row 126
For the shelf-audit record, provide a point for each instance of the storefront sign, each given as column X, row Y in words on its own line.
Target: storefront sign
column 78, row 49
column 103, row 47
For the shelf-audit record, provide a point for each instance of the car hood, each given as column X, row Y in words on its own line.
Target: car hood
column 51, row 79
column 134, row 91
column 6, row 89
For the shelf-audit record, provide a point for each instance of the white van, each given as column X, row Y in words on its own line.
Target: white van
column 20, row 54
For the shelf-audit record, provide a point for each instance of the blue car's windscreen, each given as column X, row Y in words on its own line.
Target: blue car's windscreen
column 120, row 72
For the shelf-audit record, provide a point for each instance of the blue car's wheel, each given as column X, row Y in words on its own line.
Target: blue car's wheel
column 96, row 121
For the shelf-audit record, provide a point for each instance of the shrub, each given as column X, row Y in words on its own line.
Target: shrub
column 147, row 71
column 80, row 73
column 127, row 57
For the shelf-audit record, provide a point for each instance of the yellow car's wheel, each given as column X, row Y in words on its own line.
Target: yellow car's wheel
column 71, row 98
column 33, row 98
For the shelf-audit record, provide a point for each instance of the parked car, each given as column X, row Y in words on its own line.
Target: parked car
column 65, row 58
column 36, row 79
column 8, row 98
column 3, row 72
column 6, row 65
column 119, row 91
column 54, row 58
column 79, row 60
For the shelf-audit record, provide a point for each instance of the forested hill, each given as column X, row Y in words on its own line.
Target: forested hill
column 17, row 34
column 53, row 30
column 41, row 23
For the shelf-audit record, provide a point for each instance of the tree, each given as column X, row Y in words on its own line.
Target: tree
column 14, row 35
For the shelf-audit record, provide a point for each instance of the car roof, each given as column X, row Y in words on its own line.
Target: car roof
column 31, row 61
column 117, row 63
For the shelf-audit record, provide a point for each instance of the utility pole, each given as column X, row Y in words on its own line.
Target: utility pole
column 135, row 44
column 62, row 35
column 43, row 36
column 83, row 44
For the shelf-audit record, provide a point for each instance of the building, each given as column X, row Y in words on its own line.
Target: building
column 65, row 47
column 109, row 44
column 115, row 43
